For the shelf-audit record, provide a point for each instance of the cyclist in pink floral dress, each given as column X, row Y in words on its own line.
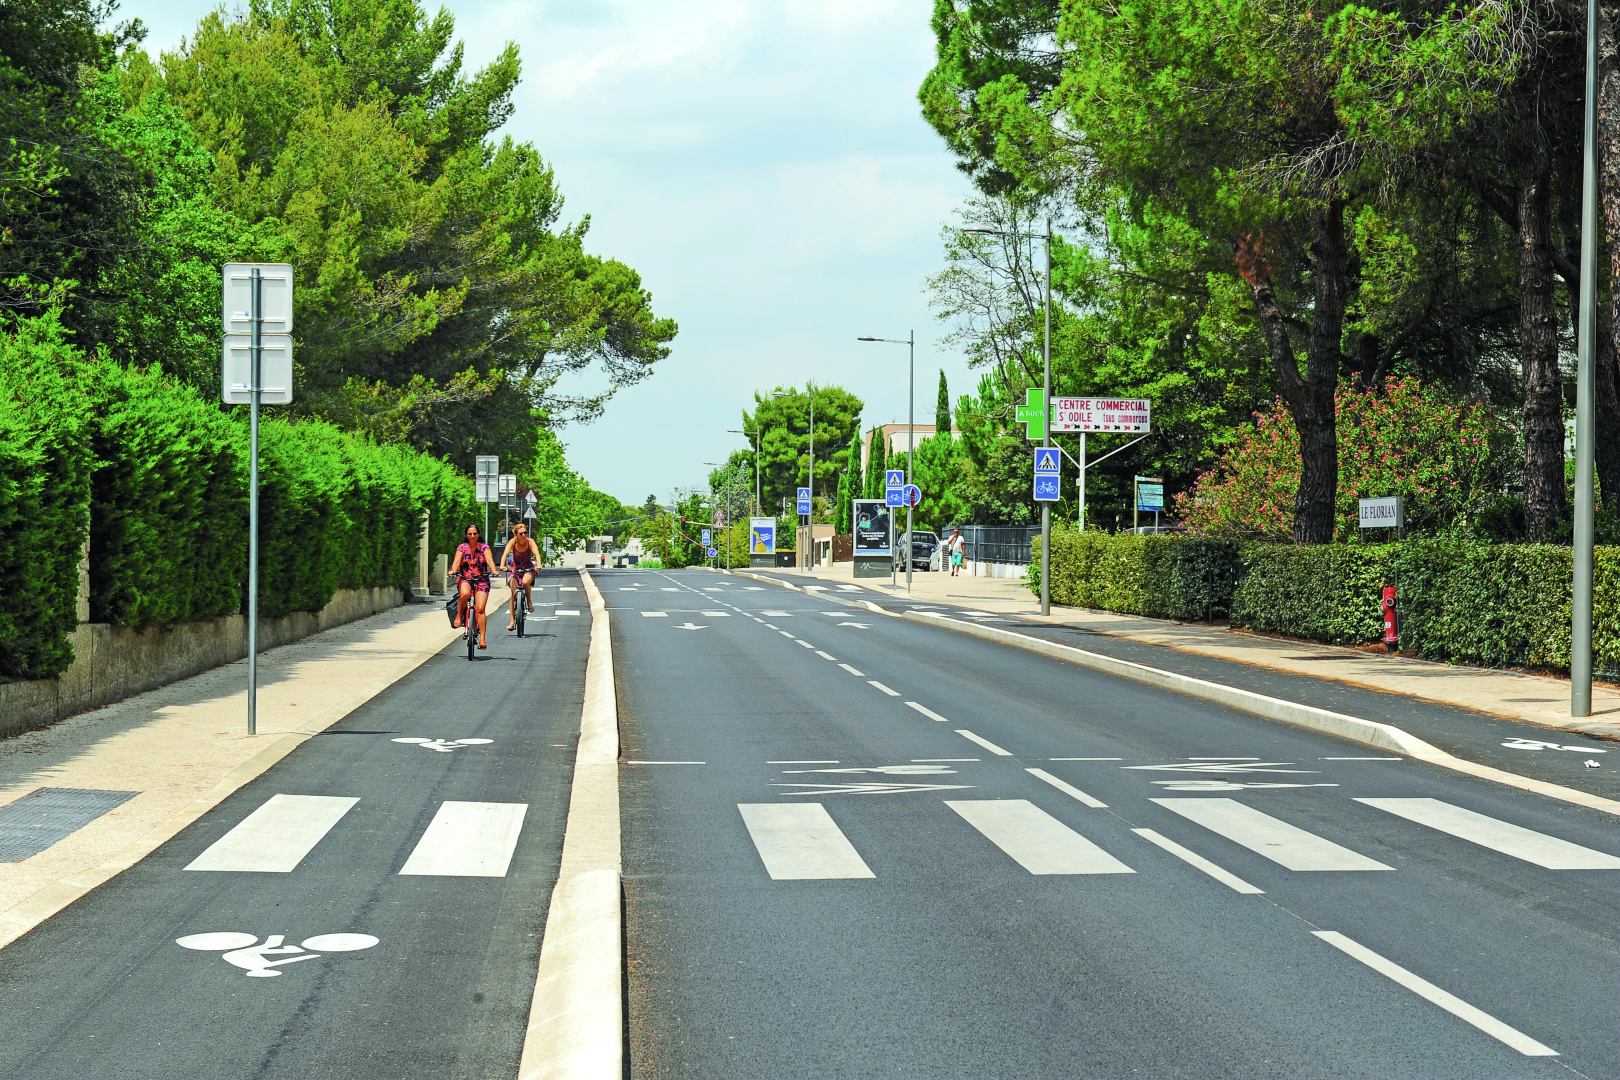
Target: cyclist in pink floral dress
column 476, row 566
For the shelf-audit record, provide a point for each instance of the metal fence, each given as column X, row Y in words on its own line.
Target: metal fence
column 997, row 544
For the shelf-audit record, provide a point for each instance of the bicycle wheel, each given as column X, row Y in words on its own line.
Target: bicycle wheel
column 520, row 611
column 472, row 631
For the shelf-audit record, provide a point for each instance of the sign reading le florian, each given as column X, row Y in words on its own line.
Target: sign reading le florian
column 1101, row 414
column 871, row 527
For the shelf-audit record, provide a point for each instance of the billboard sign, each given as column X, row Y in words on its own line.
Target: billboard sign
column 762, row 536
column 1150, row 496
column 1101, row 414
column 872, row 525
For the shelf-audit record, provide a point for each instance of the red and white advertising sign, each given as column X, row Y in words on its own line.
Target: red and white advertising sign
column 1101, row 414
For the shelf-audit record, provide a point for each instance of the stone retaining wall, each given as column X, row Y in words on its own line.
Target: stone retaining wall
column 114, row 662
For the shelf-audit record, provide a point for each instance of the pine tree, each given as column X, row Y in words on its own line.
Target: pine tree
column 942, row 410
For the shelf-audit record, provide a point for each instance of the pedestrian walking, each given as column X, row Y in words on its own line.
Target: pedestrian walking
column 956, row 546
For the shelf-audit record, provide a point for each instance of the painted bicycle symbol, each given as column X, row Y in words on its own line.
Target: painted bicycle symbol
column 443, row 746
column 253, row 956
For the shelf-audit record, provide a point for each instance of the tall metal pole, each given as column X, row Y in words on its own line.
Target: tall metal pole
column 1081, row 517
column 1046, row 434
column 1580, row 659
column 253, row 510
column 911, row 449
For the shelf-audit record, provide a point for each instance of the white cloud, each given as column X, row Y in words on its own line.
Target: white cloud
column 764, row 165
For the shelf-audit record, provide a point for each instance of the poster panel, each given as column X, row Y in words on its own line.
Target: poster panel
column 762, row 536
column 871, row 527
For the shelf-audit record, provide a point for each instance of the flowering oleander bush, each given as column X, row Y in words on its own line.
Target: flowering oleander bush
column 1447, row 460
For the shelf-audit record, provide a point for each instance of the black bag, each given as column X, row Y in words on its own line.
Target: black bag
column 450, row 611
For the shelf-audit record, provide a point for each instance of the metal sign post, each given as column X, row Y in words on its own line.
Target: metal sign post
column 248, row 307
column 486, row 485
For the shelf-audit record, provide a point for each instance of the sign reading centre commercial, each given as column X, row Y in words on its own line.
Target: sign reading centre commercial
column 871, row 527
column 1101, row 414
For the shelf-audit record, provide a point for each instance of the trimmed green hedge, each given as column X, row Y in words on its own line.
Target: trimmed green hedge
column 1488, row 604
column 1163, row 577
column 156, row 476
column 45, row 465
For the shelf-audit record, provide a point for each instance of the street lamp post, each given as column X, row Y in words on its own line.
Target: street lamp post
column 1580, row 660
column 1046, row 402
column 910, row 342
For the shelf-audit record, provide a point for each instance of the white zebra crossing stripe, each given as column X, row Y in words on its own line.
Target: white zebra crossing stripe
column 1036, row 840
column 801, row 842
column 1521, row 843
column 1425, row 989
column 468, row 839
column 1282, row 843
column 1068, row 789
column 275, row 838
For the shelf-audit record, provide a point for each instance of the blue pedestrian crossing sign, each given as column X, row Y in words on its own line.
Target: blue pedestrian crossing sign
column 804, row 500
column 894, row 487
column 1048, row 475
column 708, row 538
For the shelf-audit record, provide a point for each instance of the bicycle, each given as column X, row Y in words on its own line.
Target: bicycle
column 469, row 625
column 522, row 605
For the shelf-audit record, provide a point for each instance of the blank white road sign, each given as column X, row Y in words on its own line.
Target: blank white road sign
column 275, row 297
column 275, row 371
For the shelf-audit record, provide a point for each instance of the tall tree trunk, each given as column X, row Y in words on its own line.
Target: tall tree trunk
column 1538, row 355
column 1608, row 372
column 1310, row 398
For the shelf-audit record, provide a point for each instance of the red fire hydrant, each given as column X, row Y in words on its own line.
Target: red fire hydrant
column 1392, row 633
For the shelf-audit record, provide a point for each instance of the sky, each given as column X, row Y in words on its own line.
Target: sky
column 764, row 165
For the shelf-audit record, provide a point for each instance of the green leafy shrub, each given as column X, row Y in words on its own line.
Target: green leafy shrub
column 45, row 465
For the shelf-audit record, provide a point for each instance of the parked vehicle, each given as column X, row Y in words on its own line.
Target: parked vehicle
column 923, row 546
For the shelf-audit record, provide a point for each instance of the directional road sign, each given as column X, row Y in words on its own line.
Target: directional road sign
column 487, row 478
column 1048, row 475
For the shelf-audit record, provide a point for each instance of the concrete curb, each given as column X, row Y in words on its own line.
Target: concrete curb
column 1367, row 732
column 36, row 908
column 576, row 1017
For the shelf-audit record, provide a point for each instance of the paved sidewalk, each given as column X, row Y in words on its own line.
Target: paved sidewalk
column 184, row 747
column 1536, row 699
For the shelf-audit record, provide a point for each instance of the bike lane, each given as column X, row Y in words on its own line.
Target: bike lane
column 373, row 905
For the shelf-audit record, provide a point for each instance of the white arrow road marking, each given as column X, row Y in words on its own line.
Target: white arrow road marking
column 1221, row 767
column 1226, row 785
column 1534, row 744
column 691, row 626
column 868, row 789
column 890, row 770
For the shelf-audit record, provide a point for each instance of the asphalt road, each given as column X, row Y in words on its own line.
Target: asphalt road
column 1465, row 733
column 838, row 863
column 103, row 990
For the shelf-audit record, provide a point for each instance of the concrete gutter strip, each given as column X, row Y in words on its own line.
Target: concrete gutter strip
column 1383, row 736
column 576, row 1018
column 23, row 917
